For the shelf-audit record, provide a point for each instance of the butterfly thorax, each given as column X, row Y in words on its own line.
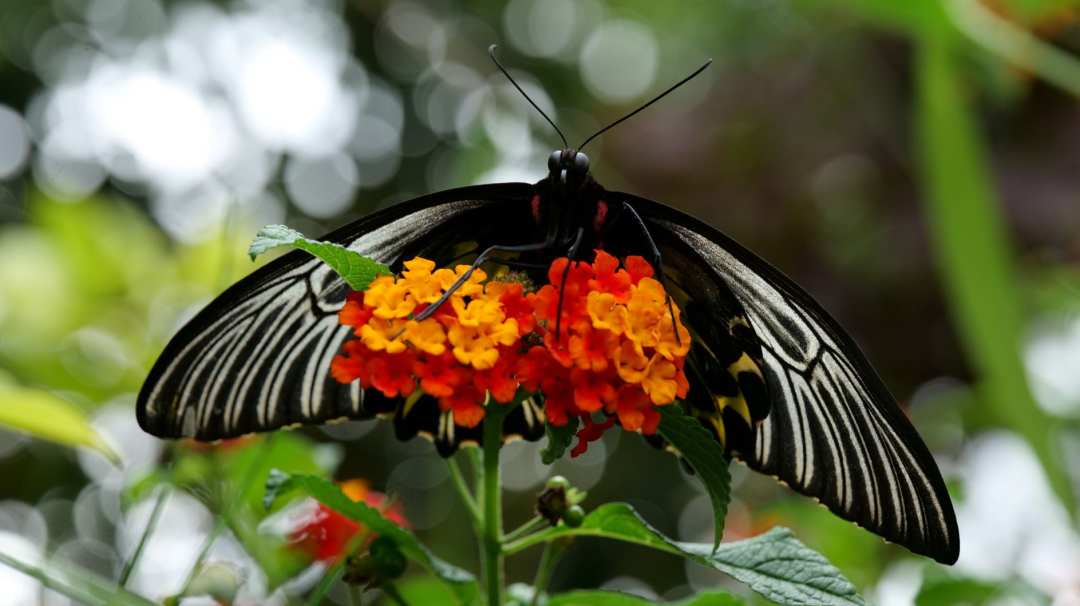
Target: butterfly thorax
column 569, row 200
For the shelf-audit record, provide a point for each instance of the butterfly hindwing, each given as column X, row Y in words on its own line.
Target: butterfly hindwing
column 833, row 432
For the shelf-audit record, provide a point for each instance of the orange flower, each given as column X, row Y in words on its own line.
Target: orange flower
column 354, row 313
column 638, row 268
column 501, row 379
column 630, row 363
column 392, row 373
column 609, row 278
column 439, row 375
column 591, row 389
column 592, row 349
column 351, row 364
column 635, row 410
column 467, row 404
column 605, row 313
column 516, row 306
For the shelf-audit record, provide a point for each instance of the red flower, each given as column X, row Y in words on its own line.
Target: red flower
column 355, row 313
column 352, row 364
column 467, row 402
column 558, row 402
column 392, row 373
column 590, row 432
column 440, row 375
column 591, row 389
column 638, row 268
column 590, row 349
column 501, row 379
column 326, row 534
column 516, row 305
column 533, row 367
column 609, row 278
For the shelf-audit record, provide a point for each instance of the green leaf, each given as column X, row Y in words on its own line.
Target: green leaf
column 461, row 581
column 774, row 564
column 614, row 598
column 43, row 415
column 975, row 256
column 559, row 439
column 949, row 591
column 705, row 455
column 80, row 585
column 357, row 270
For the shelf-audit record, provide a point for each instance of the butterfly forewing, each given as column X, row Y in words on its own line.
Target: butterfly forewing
column 833, row 432
column 258, row 357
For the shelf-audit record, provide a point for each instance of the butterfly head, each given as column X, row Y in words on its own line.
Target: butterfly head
column 568, row 169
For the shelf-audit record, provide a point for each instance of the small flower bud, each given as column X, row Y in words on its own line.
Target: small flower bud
column 574, row 516
column 558, row 482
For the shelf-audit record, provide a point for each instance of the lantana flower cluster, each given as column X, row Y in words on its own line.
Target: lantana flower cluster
column 614, row 343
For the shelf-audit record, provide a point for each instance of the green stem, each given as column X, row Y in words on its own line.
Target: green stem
column 534, row 523
column 155, row 515
column 333, row 574
column 492, row 551
column 548, row 558
column 1016, row 45
column 466, row 495
column 222, row 518
column 49, row 581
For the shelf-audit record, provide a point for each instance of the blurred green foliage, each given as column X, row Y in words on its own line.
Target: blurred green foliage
column 839, row 138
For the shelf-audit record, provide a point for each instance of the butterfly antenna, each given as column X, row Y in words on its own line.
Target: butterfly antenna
column 654, row 100
column 491, row 51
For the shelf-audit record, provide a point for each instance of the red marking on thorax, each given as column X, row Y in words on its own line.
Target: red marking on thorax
column 601, row 215
column 535, row 205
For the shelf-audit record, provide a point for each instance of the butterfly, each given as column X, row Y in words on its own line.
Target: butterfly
column 773, row 376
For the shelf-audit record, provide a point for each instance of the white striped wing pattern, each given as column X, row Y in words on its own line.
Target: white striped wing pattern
column 258, row 357
column 834, row 432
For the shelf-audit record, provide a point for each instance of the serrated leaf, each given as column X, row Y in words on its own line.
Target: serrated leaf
column 705, row 455
column 559, row 439
column 614, row 598
column 48, row 417
column 357, row 270
column 774, row 564
column 461, row 581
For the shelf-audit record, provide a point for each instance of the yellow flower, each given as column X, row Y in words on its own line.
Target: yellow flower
column 630, row 363
column 605, row 313
column 667, row 345
column 381, row 335
column 504, row 333
column 478, row 311
column 419, row 280
column 645, row 310
column 427, row 336
column 471, row 288
column 472, row 347
column 659, row 381
column 390, row 299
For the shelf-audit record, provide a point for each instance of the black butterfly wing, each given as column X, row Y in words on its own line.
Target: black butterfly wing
column 834, row 432
column 257, row 358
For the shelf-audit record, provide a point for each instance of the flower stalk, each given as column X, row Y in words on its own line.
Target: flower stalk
column 493, row 557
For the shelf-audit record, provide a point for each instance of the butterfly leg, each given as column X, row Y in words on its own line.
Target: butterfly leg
column 656, row 261
column 483, row 256
column 566, row 272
